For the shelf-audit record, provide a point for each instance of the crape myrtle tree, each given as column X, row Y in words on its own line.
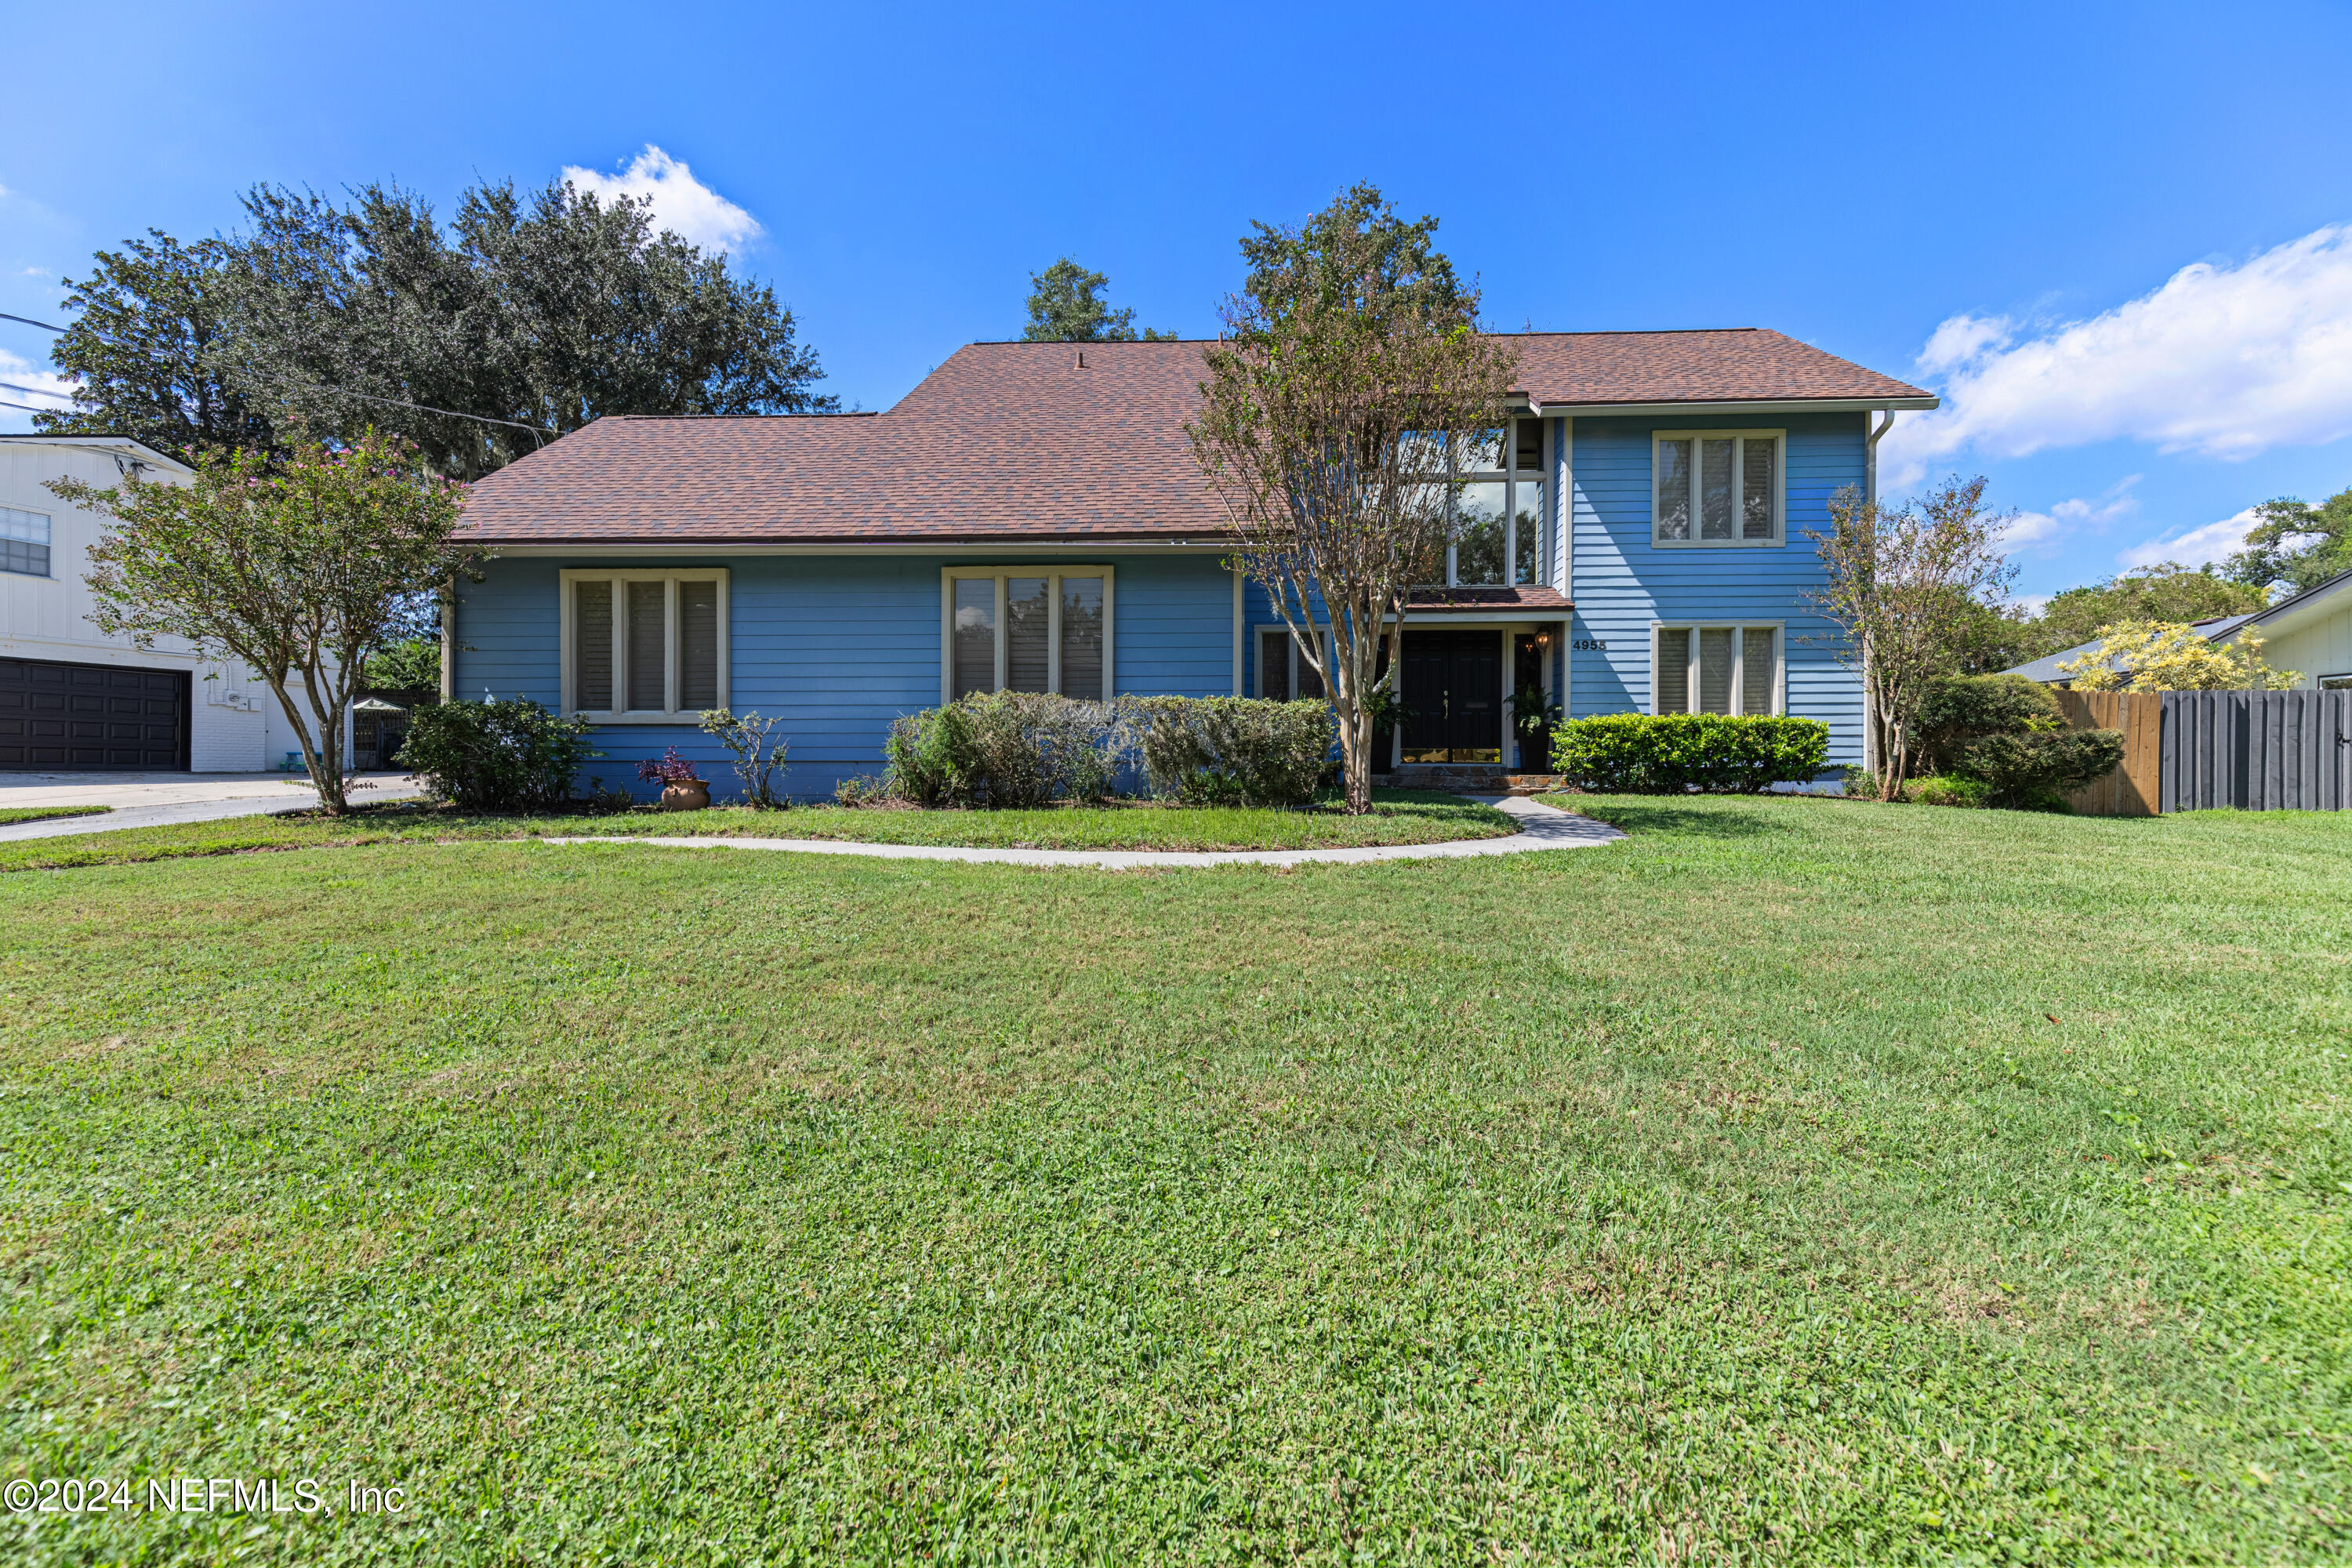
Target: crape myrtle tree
column 1904, row 585
column 298, row 568
column 1351, row 362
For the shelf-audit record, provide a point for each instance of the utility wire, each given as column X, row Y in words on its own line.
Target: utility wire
column 536, row 430
column 36, row 390
column 30, row 408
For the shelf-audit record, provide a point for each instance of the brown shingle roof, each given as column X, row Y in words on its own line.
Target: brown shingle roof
column 1008, row 441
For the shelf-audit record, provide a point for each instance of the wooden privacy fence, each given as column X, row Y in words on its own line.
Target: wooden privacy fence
column 2132, row 790
column 2195, row 750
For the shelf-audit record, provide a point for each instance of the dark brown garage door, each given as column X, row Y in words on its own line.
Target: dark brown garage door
column 56, row 715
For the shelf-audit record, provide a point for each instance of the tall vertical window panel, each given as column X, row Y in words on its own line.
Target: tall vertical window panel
column 648, row 646
column 1026, row 628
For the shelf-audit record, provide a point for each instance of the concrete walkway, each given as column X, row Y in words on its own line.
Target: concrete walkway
column 1541, row 826
column 156, row 800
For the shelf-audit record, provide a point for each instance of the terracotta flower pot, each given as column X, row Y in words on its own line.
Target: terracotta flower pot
column 692, row 796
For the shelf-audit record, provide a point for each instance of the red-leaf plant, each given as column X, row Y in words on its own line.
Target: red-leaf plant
column 670, row 768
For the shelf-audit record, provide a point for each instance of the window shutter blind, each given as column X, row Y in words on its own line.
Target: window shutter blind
column 1274, row 666
column 649, row 674
column 592, row 647
column 1756, row 487
column 1310, row 683
column 1715, row 484
column 1674, row 489
column 1028, row 643
column 1674, row 670
column 975, row 636
column 698, row 647
column 1758, row 666
column 1714, row 671
column 1082, row 639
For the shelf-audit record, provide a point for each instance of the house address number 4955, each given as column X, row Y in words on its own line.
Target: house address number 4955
column 1589, row 645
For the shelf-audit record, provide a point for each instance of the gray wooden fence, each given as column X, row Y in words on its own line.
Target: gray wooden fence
column 2256, row 750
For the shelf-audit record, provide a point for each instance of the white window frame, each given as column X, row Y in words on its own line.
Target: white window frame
column 1739, row 655
column 1298, row 653
column 1779, row 439
column 951, row 576
column 46, row 543
column 569, row 642
column 1511, row 477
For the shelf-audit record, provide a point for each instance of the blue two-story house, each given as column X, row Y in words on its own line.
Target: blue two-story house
column 1029, row 516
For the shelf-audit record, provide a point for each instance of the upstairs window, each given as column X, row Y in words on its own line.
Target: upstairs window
column 1025, row 629
column 645, row 646
column 1500, row 533
column 1717, row 488
column 24, row 541
column 1715, row 669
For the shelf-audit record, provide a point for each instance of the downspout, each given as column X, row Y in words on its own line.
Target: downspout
column 450, row 644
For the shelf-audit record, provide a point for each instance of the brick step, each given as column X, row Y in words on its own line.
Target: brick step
column 1460, row 780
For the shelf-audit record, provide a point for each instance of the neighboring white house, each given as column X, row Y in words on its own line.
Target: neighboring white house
column 73, row 698
column 2310, row 634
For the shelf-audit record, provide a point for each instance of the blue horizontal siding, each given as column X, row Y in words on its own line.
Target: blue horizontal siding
column 838, row 647
column 1621, row 582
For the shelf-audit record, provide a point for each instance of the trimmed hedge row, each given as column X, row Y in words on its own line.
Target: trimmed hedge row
column 1671, row 754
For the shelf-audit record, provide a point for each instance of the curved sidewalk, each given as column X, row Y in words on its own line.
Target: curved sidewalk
column 1542, row 827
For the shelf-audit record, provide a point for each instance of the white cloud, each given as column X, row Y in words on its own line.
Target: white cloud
column 25, row 373
column 2198, row 547
column 2222, row 361
column 681, row 204
column 2033, row 527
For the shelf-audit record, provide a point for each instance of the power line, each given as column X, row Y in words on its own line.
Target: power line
column 536, row 430
column 36, row 390
column 29, row 407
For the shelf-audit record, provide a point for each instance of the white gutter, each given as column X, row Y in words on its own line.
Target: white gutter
column 1778, row 405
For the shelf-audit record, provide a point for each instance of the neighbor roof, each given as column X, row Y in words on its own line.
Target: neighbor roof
column 2045, row 668
column 1078, row 441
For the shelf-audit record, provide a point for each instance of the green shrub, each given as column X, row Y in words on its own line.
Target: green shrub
column 1957, row 711
column 1948, row 789
column 1667, row 754
column 2039, row 768
column 2005, row 732
column 1010, row 749
column 1234, row 751
column 758, row 750
column 496, row 756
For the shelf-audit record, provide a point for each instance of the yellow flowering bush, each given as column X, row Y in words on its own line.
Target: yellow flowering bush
column 2168, row 656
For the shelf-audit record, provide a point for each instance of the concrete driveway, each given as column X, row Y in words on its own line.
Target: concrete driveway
column 147, row 800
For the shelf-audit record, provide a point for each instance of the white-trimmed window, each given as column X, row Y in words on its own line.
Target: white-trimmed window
column 1500, row 533
column 1283, row 671
column 24, row 541
column 1705, row 668
column 2335, row 682
column 1717, row 488
column 648, row 648
column 1025, row 629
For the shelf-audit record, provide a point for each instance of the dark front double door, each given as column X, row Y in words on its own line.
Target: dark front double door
column 1453, row 697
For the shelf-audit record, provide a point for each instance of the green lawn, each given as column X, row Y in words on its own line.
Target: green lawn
column 9, row 814
column 1795, row 1181
column 1398, row 816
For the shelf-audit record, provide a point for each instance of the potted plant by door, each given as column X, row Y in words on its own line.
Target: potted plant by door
column 1533, row 714
column 682, row 789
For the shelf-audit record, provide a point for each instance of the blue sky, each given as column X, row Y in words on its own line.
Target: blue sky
column 2013, row 192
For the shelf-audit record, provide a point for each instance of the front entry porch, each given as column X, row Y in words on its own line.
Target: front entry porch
column 1458, row 688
